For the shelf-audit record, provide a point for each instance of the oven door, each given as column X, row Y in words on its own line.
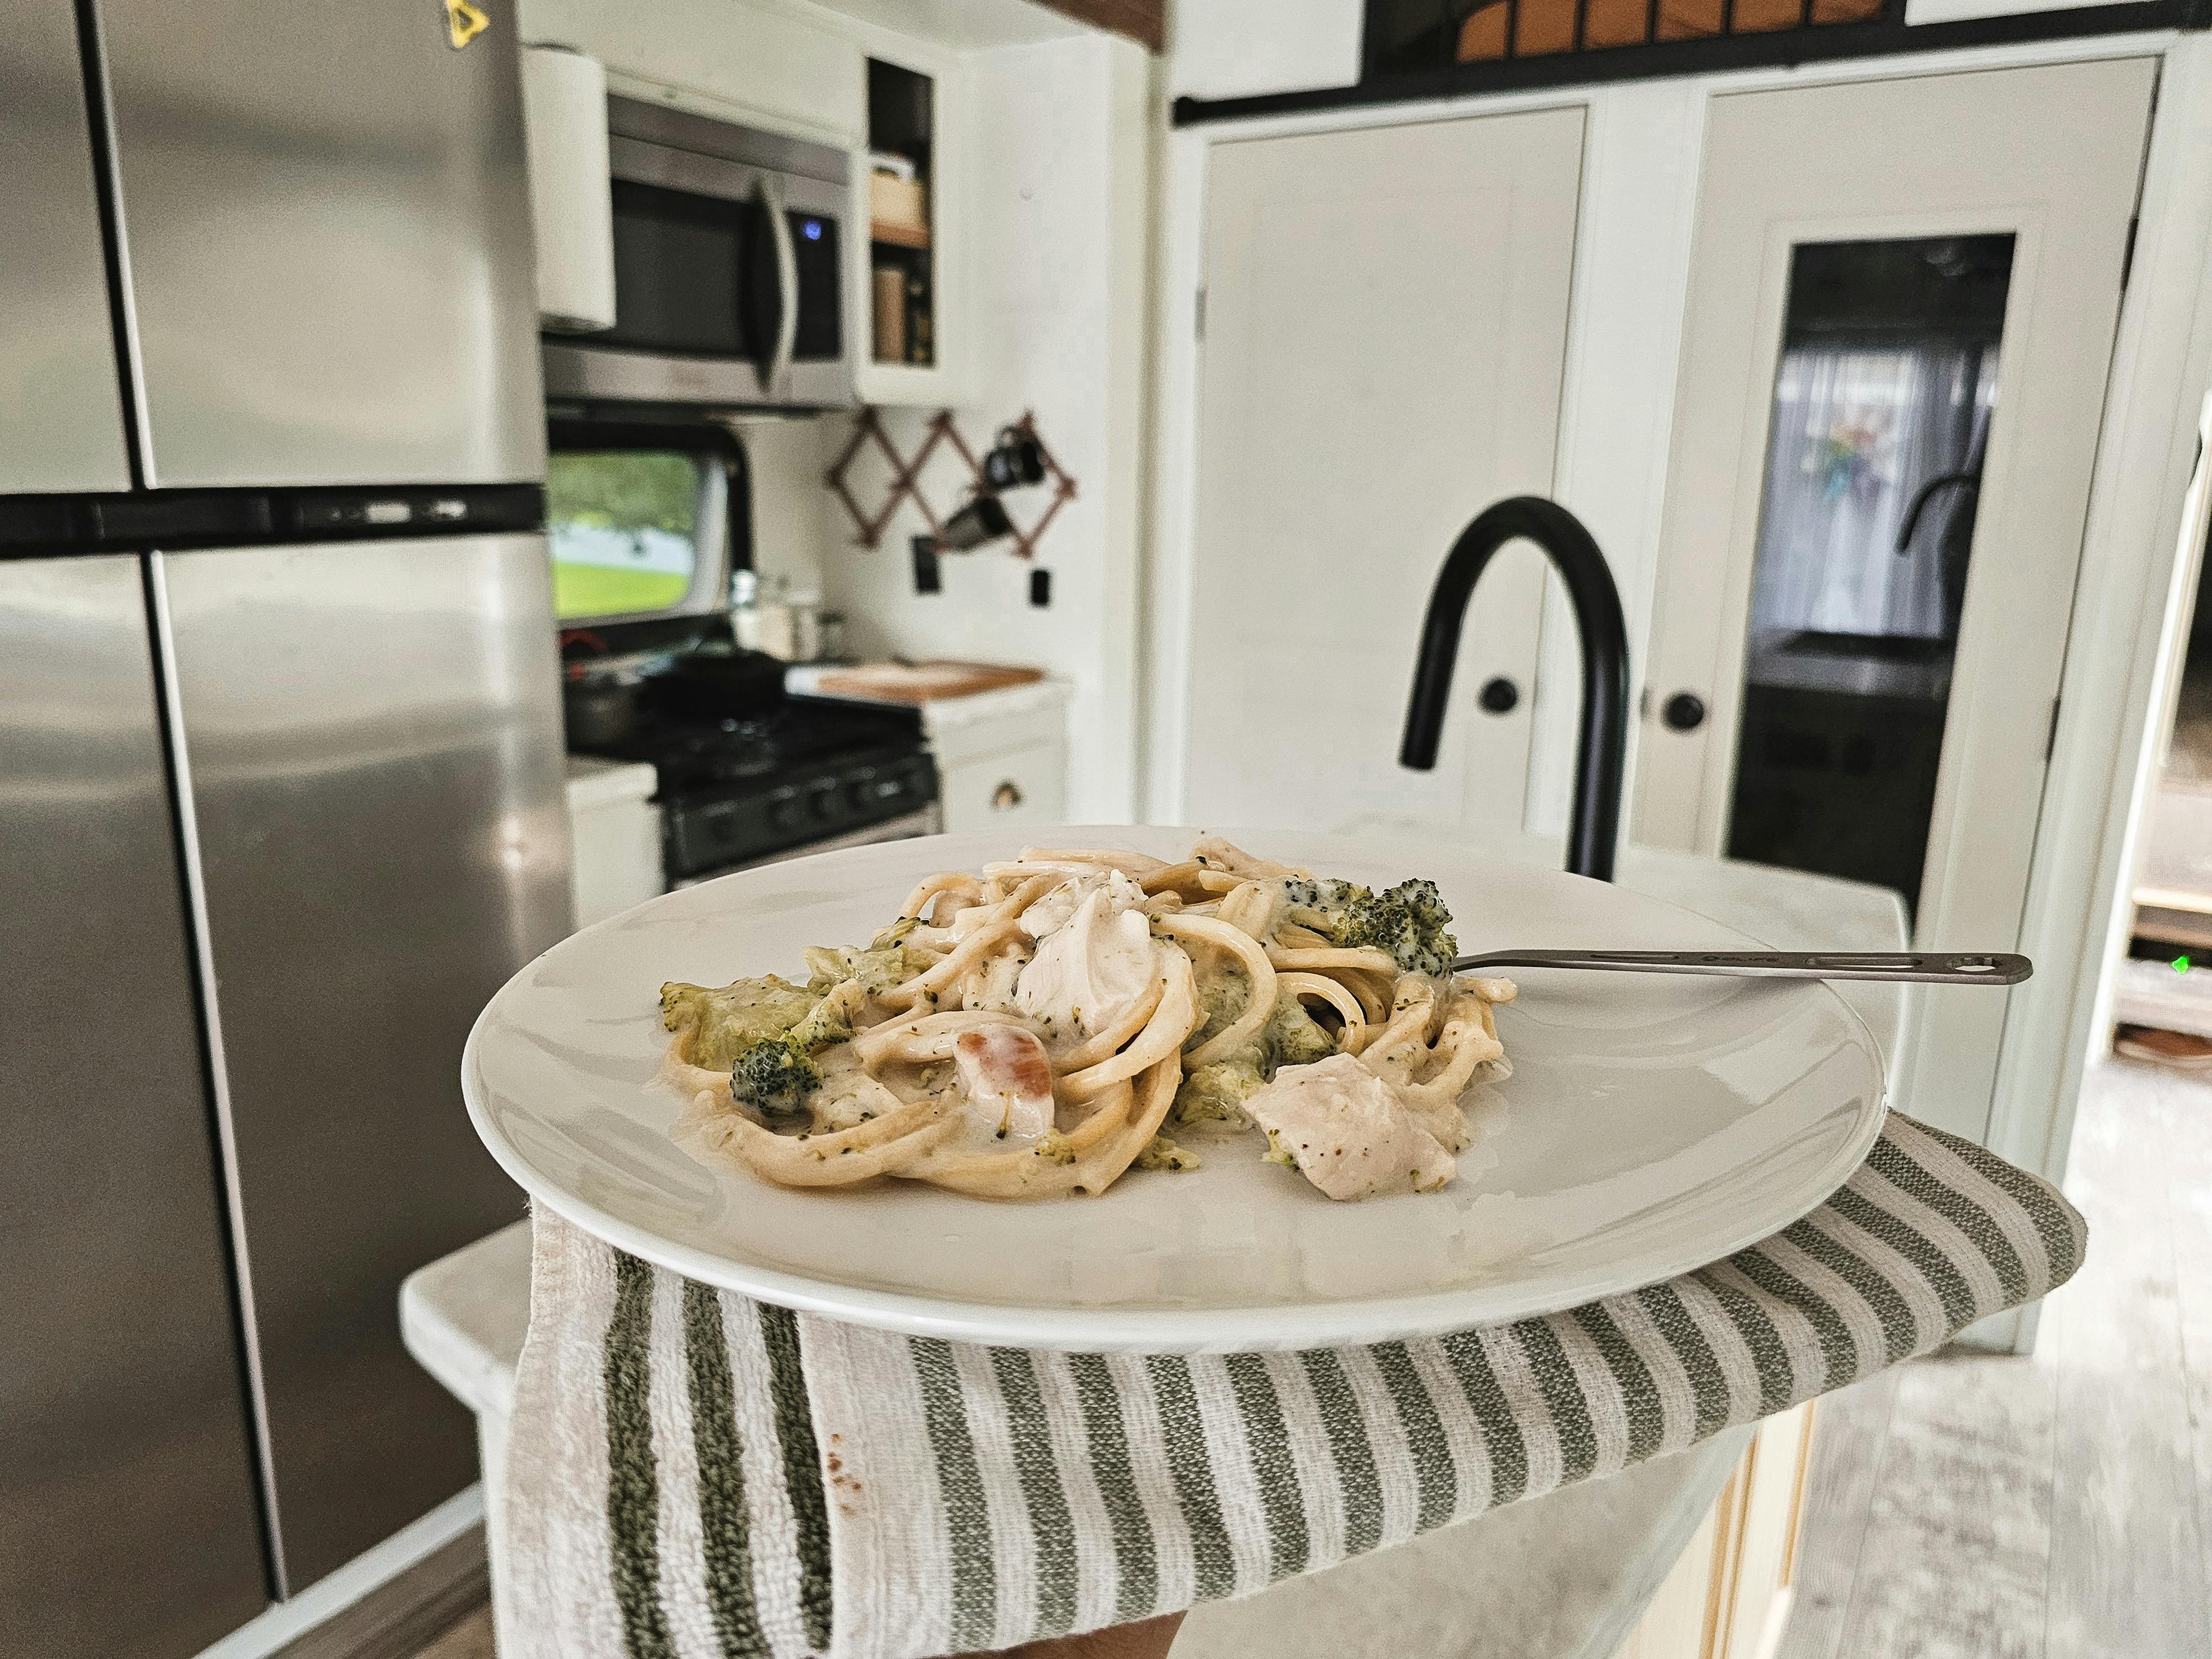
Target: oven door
column 726, row 288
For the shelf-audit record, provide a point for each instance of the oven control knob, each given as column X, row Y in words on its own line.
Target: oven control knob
column 786, row 811
column 823, row 799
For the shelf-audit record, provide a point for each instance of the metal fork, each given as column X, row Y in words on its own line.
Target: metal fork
column 1928, row 968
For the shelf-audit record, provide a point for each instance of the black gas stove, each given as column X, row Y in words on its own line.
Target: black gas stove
column 798, row 771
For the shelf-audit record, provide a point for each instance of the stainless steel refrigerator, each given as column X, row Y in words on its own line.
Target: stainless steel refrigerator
column 280, row 758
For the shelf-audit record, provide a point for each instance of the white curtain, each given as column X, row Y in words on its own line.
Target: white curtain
column 1857, row 432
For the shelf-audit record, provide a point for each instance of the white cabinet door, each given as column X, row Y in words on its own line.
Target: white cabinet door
column 1385, row 333
column 1901, row 291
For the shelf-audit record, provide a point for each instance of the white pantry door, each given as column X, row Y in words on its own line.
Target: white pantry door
column 1898, row 288
column 1385, row 330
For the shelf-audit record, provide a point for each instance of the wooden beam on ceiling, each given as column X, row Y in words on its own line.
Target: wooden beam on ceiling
column 1145, row 21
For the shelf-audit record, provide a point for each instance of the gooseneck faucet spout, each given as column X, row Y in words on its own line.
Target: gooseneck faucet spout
column 1601, row 752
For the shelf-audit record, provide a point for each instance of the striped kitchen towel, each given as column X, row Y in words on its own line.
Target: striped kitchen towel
column 693, row 1473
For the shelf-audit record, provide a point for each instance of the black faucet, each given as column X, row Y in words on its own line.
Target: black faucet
column 1599, row 754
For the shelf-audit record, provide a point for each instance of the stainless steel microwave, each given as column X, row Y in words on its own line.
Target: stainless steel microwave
column 729, row 270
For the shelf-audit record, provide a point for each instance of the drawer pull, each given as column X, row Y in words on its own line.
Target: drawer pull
column 1005, row 796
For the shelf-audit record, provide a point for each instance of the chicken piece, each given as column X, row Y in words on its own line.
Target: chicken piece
column 1347, row 1131
column 1090, row 971
column 1057, row 908
column 1007, row 1077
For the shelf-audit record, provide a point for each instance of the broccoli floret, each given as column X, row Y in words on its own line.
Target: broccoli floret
column 775, row 1076
column 1161, row 1153
column 825, row 1024
column 1223, row 988
column 1218, row 1091
column 1293, row 1038
column 725, row 1020
column 1321, row 896
column 1290, row 1037
column 884, row 963
column 1408, row 920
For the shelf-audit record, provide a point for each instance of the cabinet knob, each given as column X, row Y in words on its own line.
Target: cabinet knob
column 1683, row 712
column 1005, row 796
column 1498, row 695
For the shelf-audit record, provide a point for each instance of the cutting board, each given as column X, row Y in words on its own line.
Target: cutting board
column 917, row 682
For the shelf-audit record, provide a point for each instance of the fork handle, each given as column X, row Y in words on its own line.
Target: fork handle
column 1924, row 967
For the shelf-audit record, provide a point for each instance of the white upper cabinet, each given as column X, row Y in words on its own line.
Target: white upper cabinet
column 910, row 290
column 776, row 64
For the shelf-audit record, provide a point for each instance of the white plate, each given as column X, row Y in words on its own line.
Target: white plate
column 1651, row 1125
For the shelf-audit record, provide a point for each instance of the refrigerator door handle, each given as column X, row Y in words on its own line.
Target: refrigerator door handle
column 787, row 283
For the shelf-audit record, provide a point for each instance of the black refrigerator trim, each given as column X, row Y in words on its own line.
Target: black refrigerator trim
column 100, row 126
column 1885, row 38
column 144, row 520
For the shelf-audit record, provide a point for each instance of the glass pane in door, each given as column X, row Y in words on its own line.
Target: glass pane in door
column 1883, row 399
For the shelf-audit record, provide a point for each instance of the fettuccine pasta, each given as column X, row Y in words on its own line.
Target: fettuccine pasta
column 1035, row 1028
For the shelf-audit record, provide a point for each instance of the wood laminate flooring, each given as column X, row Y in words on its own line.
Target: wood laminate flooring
column 2057, row 1507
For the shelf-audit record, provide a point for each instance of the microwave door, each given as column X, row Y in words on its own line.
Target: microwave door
column 698, row 286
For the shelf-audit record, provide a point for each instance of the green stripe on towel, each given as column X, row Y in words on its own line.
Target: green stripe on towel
column 1052, row 1524
column 1639, row 1395
column 1347, row 1438
column 1213, row 1565
column 1493, row 1416
column 1435, row 1473
column 725, row 1524
column 1267, row 1448
column 1708, row 1382
column 1893, row 1164
column 1136, row 1552
column 802, row 1466
column 1934, row 1267
column 633, row 1481
column 966, row 1512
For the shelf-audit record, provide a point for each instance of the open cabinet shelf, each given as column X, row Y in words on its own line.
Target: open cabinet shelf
column 904, row 278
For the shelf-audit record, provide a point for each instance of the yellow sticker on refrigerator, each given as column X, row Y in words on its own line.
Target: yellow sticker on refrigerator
column 463, row 22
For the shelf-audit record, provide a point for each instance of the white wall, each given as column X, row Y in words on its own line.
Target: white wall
column 789, row 66
column 1059, row 207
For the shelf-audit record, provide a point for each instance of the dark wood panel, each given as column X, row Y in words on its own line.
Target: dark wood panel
column 1145, row 21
